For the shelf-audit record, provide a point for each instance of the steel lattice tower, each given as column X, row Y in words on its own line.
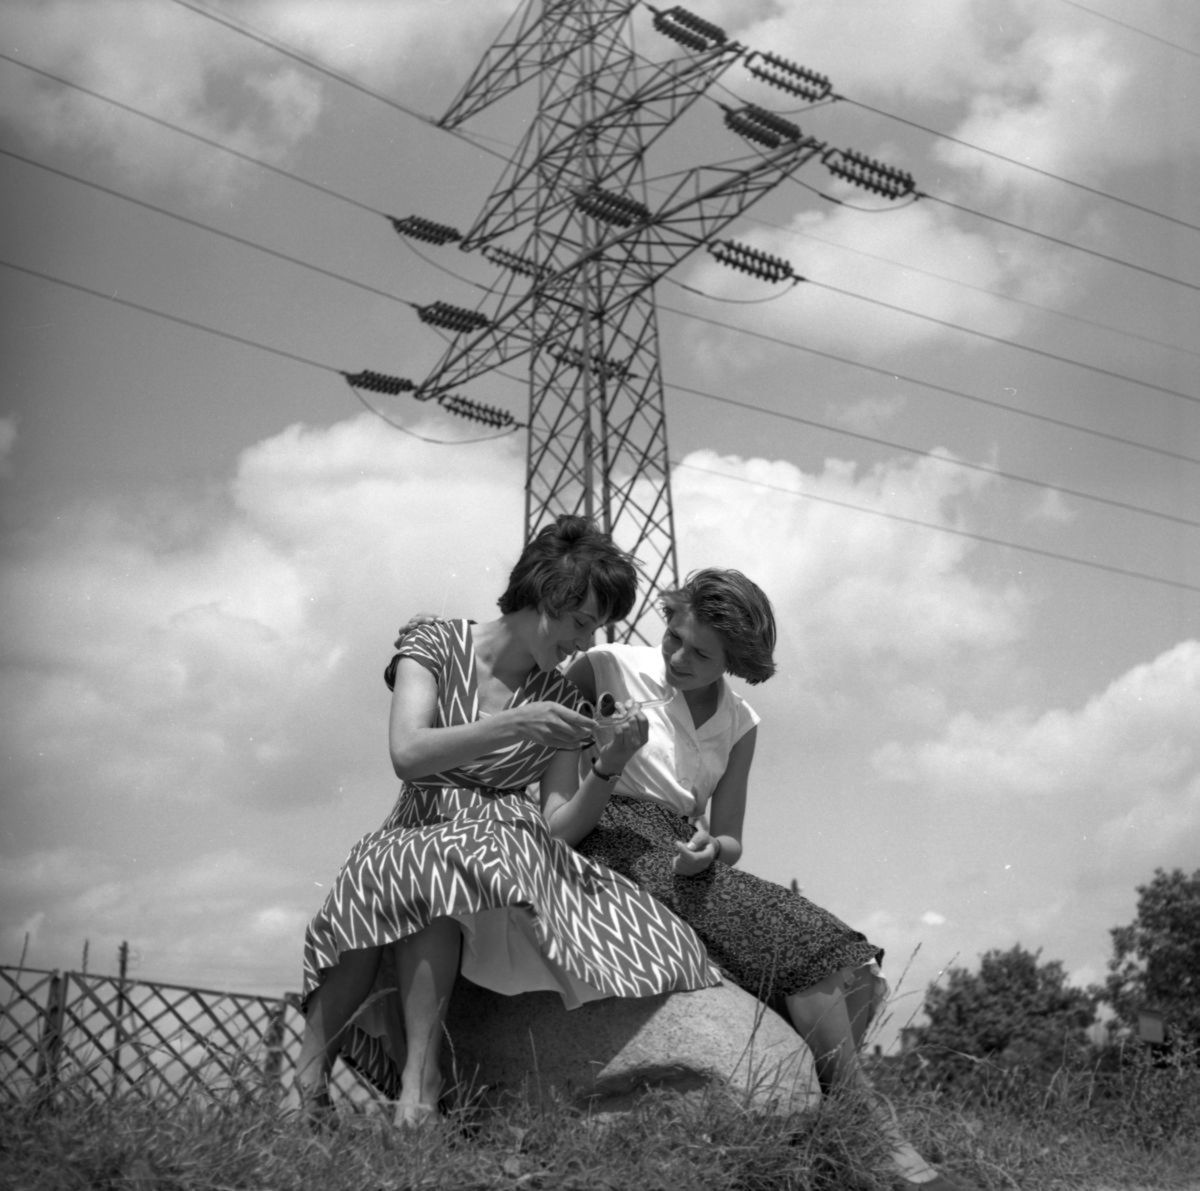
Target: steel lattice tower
column 580, row 229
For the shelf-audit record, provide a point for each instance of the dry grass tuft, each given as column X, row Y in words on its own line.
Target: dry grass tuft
column 1134, row 1125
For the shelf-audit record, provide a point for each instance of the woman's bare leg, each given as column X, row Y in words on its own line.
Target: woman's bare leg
column 833, row 1024
column 865, row 991
column 426, row 968
column 326, row 1015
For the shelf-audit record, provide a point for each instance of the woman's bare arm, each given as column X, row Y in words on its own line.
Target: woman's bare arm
column 419, row 749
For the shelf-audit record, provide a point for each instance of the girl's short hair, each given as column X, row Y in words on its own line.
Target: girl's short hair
column 738, row 611
column 565, row 561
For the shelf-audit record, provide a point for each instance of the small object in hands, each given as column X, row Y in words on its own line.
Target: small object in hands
column 606, row 710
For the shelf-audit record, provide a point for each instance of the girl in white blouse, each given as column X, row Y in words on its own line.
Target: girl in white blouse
column 669, row 815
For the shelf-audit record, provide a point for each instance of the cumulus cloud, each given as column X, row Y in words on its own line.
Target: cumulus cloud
column 931, row 44
column 212, row 914
column 1034, row 80
column 182, row 677
column 1033, row 83
column 1051, row 506
column 191, row 657
column 168, row 62
column 1135, row 737
column 868, row 415
column 389, row 46
column 1057, row 813
column 226, row 84
column 863, row 569
column 854, row 296
column 1069, row 97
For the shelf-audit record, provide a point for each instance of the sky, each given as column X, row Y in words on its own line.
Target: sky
column 961, row 456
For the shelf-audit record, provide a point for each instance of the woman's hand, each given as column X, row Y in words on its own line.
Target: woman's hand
column 620, row 736
column 415, row 622
column 698, row 853
column 552, row 724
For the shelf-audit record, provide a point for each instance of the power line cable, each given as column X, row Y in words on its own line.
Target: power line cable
column 1104, row 256
column 1066, row 425
column 206, row 227
column 396, row 298
column 1107, row 327
column 979, row 289
column 273, row 43
column 949, row 462
column 295, row 55
column 835, row 97
column 365, row 207
column 1134, row 29
column 293, row 260
column 1093, row 190
column 246, row 30
column 1020, row 227
column 196, row 136
column 313, row 363
column 998, row 405
column 192, row 324
column 1005, row 342
column 946, row 390
column 1023, row 165
column 1113, row 438
column 1002, row 340
column 958, row 533
column 174, row 318
column 240, row 339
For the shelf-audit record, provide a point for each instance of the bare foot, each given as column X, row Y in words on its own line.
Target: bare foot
column 413, row 1116
column 316, row 1106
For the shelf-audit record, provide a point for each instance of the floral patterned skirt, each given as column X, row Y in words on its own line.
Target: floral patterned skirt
column 765, row 938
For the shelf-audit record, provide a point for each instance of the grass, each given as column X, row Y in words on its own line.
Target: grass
column 1077, row 1126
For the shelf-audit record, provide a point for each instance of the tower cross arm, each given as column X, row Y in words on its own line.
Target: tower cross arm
column 541, row 39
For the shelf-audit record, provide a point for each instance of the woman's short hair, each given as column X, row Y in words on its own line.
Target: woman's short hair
column 738, row 611
column 565, row 561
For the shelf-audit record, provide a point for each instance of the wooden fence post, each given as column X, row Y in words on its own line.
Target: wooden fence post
column 48, row 1039
column 273, row 1064
column 50, row 1042
column 123, row 966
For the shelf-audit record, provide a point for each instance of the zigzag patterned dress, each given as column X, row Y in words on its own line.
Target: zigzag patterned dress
column 472, row 844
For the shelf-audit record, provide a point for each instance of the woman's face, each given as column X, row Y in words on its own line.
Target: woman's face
column 693, row 653
column 558, row 637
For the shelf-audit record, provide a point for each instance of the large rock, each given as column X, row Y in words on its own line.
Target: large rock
column 606, row 1052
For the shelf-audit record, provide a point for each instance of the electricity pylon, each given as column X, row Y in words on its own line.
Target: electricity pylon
column 581, row 230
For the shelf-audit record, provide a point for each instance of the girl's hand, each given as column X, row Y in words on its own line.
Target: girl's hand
column 698, row 853
column 620, row 736
column 551, row 724
column 415, row 622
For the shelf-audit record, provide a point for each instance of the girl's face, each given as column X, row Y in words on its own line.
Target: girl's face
column 558, row 637
column 693, row 653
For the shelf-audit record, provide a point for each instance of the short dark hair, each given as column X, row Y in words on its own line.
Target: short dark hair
column 565, row 561
column 738, row 611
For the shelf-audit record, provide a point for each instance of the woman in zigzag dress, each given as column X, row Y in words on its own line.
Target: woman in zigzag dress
column 465, row 866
